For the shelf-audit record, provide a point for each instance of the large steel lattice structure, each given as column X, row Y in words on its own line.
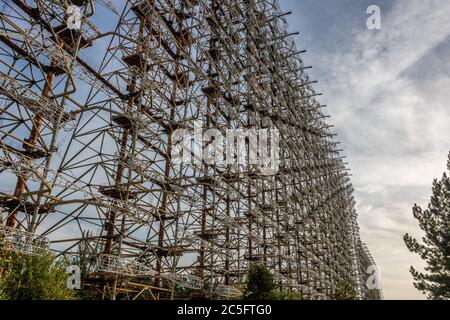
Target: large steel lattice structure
column 88, row 125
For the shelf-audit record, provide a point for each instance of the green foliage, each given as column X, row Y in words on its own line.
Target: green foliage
column 260, row 283
column 435, row 246
column 3, row 295
column 344, row 291
column 33, row 278
column 285, row 296
column 86, row 293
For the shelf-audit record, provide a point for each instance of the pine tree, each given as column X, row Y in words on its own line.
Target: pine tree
column 260, row 283
column 33, row 278
column 435, row 246
column 344, row 291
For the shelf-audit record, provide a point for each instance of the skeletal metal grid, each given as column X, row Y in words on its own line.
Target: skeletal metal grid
column 87, row 124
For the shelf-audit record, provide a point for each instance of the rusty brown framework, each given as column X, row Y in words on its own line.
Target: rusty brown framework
column 87, row 124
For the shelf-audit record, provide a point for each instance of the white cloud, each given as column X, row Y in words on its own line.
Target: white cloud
column 388, row 95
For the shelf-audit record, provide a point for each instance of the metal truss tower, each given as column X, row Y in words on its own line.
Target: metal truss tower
column 89, row 124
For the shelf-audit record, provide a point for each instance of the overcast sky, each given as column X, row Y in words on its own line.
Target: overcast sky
column 388, row 92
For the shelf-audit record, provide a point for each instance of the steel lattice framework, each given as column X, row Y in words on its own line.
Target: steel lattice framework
column 87, row 124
